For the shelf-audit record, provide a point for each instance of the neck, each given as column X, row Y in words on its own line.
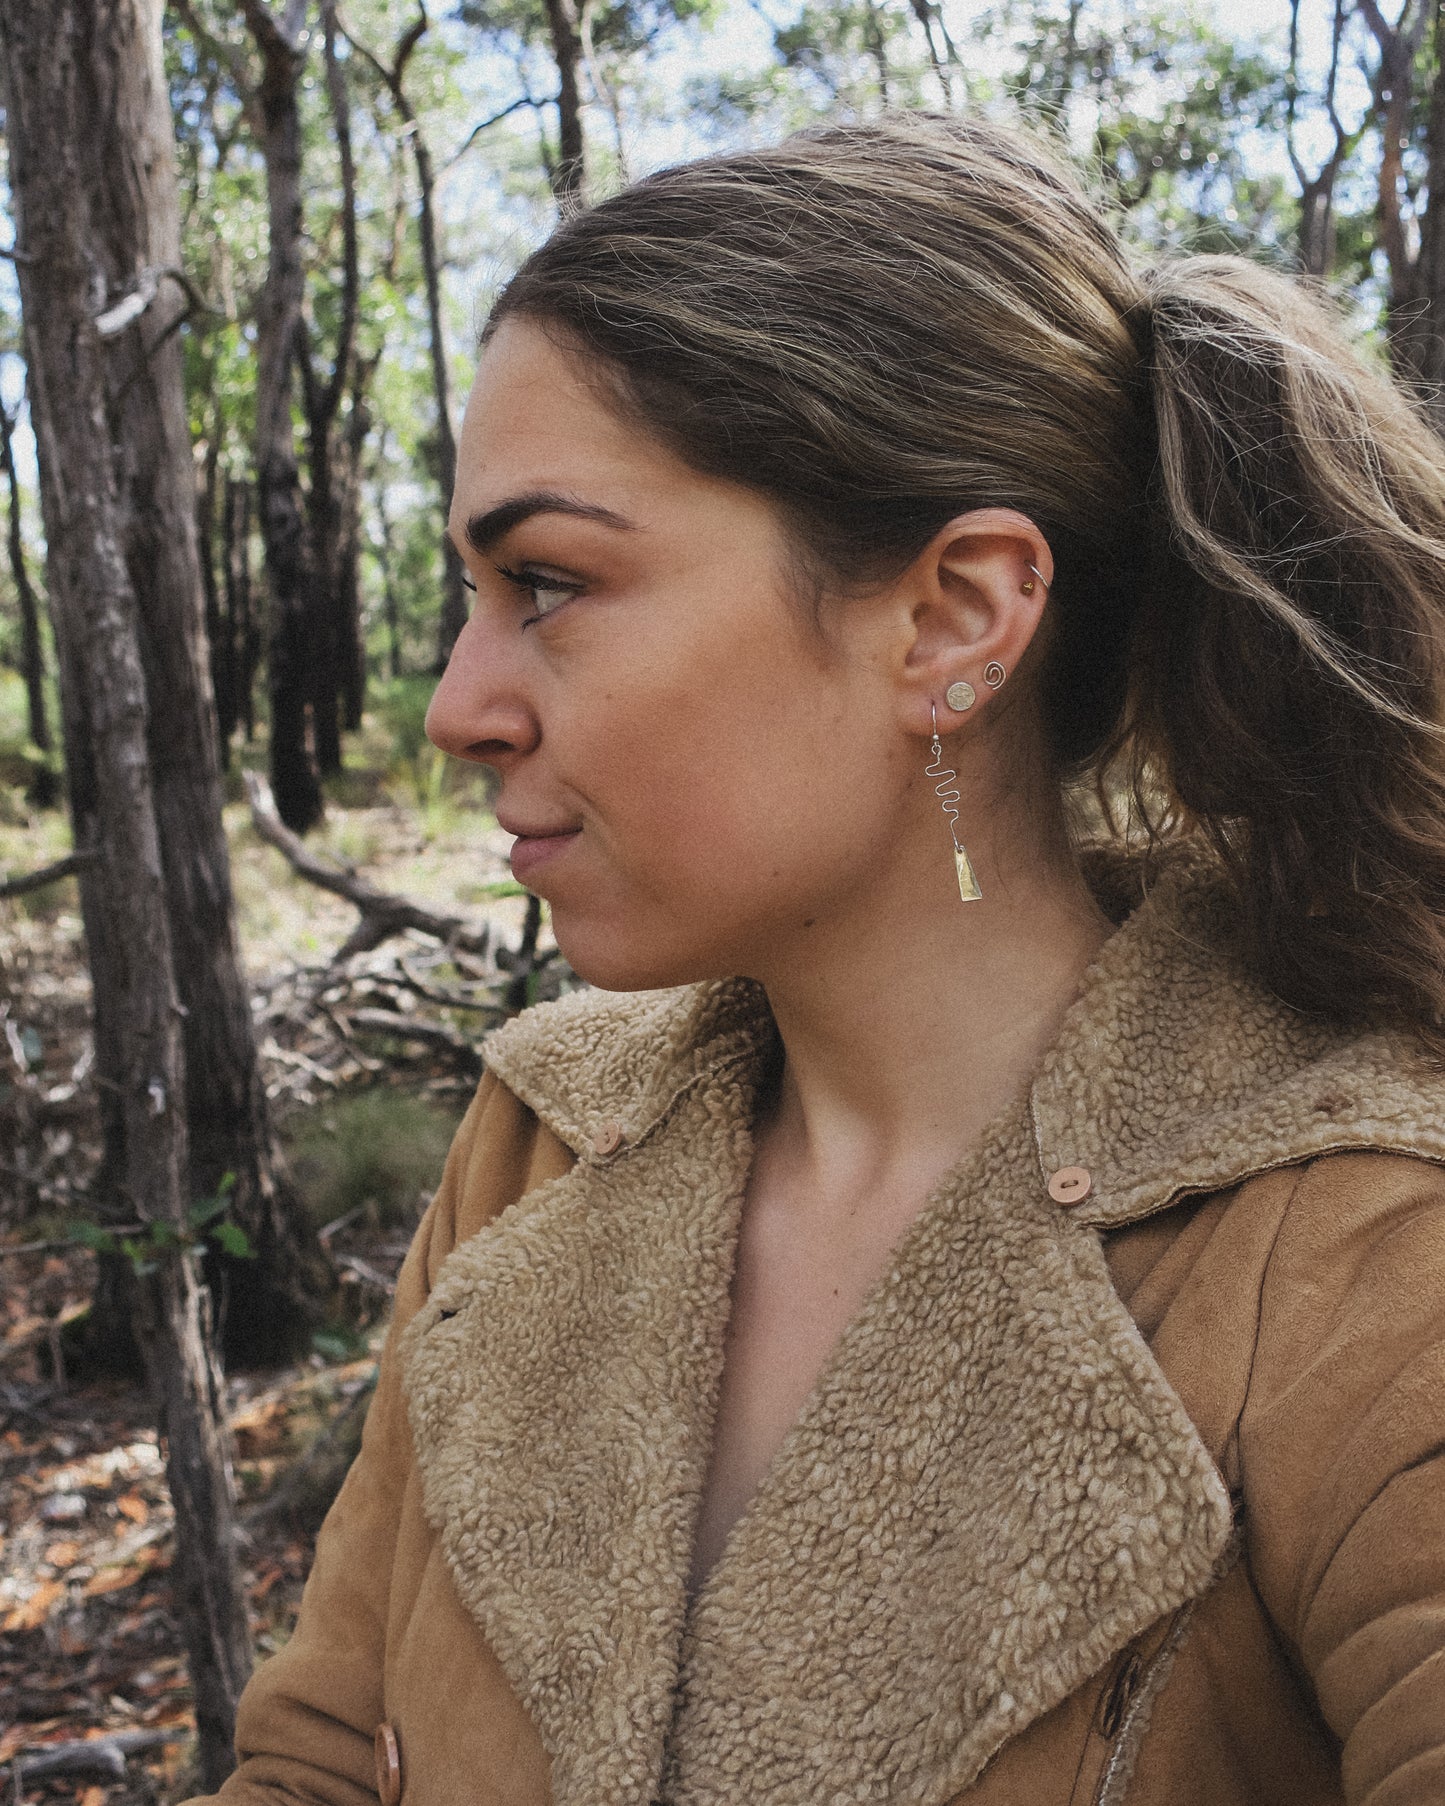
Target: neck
column 907, row 1026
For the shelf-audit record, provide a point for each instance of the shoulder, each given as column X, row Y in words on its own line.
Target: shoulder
column 1360, row 1241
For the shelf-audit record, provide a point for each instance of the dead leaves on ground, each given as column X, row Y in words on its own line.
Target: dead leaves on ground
column 88, row 1642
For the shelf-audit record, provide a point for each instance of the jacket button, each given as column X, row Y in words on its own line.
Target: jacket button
column 607, row 1138
column 1070, row 1185
column 388, row 1766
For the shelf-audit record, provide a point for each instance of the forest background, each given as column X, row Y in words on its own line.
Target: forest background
column 251, row 924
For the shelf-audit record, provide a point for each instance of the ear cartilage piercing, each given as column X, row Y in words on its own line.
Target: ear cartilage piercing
column 946, row 790
column 994, row 674
column 1027, row 585
column 960, row 696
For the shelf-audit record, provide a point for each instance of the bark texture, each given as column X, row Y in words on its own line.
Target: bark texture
column 282, row 44
column 128, row 175
column 82, row 82
column 1415, row 316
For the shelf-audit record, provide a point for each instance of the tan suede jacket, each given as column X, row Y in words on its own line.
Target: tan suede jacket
column 1134, row 1493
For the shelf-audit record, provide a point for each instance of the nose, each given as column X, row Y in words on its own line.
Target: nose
column 478, row 711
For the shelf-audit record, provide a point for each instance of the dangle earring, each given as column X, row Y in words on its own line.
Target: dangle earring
column 946, row 790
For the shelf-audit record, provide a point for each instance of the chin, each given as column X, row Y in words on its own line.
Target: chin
column 624, row 959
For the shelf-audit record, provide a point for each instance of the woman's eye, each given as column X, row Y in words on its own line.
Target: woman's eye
column 547, row 593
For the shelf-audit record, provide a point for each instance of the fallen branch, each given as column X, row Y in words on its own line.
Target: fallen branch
column 103, row 1757
column 406, row 1028
column 47, row 874
column 383, row 914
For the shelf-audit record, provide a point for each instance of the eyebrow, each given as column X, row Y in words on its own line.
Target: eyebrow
column 485, row 529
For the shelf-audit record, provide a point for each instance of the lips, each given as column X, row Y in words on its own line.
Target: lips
column 535, row 846
column 510, row 824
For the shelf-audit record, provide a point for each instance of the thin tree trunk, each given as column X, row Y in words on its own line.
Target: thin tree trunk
column 385, row 555
column 241, row 602
column 291, row 579
column 569, row 176
column 82, row 85
column 326, row 495
column 226, row 642
column 32, row 649
column 218, row 639
column 1409, row 324
column 1430, row 265
column 454, row 604
column 353, row 662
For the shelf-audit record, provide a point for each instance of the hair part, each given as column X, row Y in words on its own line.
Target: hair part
column 880, row 327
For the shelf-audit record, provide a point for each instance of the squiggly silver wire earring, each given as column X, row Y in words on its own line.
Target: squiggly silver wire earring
column 946, row 789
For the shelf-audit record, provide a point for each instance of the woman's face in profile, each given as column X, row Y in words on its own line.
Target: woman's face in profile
column 694, row 771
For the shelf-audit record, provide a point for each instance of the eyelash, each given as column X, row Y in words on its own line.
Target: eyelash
column 532, row 582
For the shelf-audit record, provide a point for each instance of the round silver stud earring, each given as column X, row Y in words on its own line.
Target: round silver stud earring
column 960, row 696
column 994, row 674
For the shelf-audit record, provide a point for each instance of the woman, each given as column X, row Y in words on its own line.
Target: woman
column 956, row 1315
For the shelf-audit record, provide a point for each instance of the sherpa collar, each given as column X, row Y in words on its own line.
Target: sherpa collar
column 1174, row 1071
column 991, row 1489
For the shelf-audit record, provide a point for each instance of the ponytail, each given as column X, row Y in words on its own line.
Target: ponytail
column 1288, row 660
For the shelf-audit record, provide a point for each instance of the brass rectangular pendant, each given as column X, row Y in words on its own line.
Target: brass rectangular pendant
column 967, row 883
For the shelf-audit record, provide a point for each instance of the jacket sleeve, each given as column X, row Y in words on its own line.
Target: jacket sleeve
column 1342, row 1446
column 305, row 1726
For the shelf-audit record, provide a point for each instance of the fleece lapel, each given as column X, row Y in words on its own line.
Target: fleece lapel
column 991, row 1491
column 561, row 1381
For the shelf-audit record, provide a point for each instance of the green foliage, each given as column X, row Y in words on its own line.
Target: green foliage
column 145, row 1245
column 374, row 1151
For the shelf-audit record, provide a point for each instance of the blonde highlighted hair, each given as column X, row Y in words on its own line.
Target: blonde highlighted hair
column 878, row 327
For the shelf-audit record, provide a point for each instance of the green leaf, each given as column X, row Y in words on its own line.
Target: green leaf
column 93, row 1236
column 232, row 1239
column 136, row 1253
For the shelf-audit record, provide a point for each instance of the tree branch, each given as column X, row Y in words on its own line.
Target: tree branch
column 496, row 119
column 383, row 913
column 47, row 874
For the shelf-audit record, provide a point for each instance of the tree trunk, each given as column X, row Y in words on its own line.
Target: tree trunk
column 83, row 86
column 1429, row 335
column 240, row 602
column 267, row 1304
column 569, row 177
column 32, row 651
column 1413, row 321
column 291, row 579
column 219, row 641
column 385, row 555
column 454, row 603
column 326, row 499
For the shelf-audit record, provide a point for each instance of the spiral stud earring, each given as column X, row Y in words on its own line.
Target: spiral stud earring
column 946, row 789
column 994, row 674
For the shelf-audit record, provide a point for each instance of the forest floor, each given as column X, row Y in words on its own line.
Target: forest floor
column 88, row 1644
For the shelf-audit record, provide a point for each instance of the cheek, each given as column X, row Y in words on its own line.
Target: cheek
column 731, row 810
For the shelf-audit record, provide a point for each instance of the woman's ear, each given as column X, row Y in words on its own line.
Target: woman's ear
column 974, row 596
